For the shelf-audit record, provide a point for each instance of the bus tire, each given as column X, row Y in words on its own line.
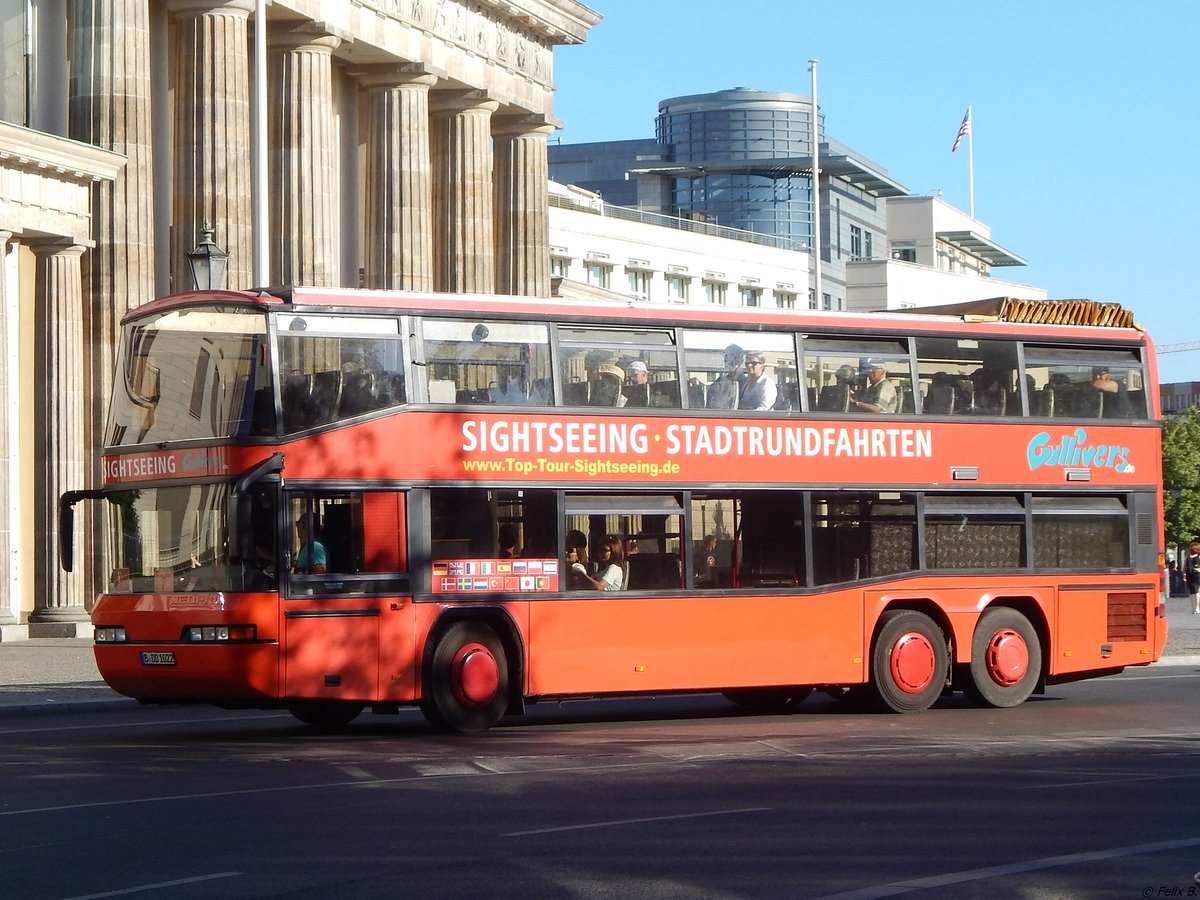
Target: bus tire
column 909, row 661
column 466, row 680
column 1006, row 659
column 768, row 699
column 325, row 714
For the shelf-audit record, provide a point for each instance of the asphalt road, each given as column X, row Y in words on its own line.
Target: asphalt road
column 1090, row 791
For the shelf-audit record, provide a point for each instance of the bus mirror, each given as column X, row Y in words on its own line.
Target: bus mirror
column 66, row 525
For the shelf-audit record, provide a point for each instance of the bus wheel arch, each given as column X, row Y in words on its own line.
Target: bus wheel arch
column 909, row 659
column 325, row 715
column 471, row 672
column 1007, row 657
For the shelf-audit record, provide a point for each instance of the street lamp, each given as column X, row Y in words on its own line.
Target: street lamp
column 207, row 262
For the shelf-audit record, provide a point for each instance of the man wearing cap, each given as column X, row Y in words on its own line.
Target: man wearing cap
column 636, row 392
column 879, row 396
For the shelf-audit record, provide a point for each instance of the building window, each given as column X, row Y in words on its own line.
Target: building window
column 785, row 299
column 639, row 283
column 867, row 245
column 751, row 296
column 826, row 301
column 677, row 288
column 856, row 242
column 559, row 266
column 714, row 292
column 812, row 300
column 599, row 275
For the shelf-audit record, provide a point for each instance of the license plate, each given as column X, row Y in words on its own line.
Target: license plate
column 158, row 658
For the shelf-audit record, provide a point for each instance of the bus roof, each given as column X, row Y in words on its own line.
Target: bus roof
column 1049, row 318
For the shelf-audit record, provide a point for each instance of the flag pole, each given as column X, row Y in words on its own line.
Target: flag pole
column 971, row 163
column 815, row 188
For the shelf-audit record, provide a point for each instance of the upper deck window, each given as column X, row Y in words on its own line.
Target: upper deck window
column 1084, row 382
column 488, row 362
column 338, row 367
column 192, row 374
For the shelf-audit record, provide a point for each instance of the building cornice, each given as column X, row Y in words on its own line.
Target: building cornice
column 36, row 151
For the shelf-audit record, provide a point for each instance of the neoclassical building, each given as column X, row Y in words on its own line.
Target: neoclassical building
column 380, row 143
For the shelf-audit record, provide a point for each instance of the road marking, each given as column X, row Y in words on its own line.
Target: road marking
column 1034, row 865
column 326, row 785
column 616, row 822
column 154, row 887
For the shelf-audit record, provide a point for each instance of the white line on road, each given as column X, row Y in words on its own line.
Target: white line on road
column 615, row 822
column 1034, row 865
column 154, row 887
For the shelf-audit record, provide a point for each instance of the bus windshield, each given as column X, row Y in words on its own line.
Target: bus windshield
column 193, row 374
column 175, row 540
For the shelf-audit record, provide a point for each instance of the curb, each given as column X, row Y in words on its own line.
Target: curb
column 50, row 706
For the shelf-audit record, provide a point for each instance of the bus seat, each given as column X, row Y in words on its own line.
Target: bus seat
column 939, row 400
column 664, row 394
column 812, row 396
column 636, row 394
column 327, row 394
column 390, row 390
column 722, row 394
column 575, row 393
column 541, row 392
column 358, row 394
column 904, row 400
column 834, row 398
column 653, row 571
column 695, row 395
column 604, row 391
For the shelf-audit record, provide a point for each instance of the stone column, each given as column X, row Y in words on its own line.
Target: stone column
column 522, row 172
column 303, row 246
column 59, row 438
column 9, row 604
column 463, row 243
column 110, row 108
column 399, row 192
column 212, row 136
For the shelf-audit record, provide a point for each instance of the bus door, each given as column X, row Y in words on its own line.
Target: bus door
column 347, row 594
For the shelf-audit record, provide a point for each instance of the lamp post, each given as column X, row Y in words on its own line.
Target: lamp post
column 207, row 263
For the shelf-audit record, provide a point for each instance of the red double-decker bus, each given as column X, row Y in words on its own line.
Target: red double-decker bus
column 329, row 500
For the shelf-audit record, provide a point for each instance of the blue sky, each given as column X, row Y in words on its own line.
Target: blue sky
column 1085, row 119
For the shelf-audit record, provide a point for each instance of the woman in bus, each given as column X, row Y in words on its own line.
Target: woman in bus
column 611, row 575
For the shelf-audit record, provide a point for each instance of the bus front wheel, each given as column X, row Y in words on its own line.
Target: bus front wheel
column 1006, row 659
column 909, row 661
column 466, row 681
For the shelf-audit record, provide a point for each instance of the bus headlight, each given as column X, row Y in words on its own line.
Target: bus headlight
column 215, row 634
column 110, row 634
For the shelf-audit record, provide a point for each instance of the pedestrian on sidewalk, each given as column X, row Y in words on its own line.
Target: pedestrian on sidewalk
column 1191, row 574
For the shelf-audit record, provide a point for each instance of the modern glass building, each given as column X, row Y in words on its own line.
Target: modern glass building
column 746, row 159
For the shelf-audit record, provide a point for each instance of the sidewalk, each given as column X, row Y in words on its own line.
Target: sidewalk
column 48, row 674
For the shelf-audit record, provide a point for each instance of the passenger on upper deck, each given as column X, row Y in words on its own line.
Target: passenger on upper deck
column 759, row 391
column 879, row 396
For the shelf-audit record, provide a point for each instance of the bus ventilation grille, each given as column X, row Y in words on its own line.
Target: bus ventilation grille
column 1127, row 617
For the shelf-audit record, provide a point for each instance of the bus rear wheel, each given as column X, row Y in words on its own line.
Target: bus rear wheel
column 909, row 661
column 326, row 714
column 1006, row 659
column 466, row 681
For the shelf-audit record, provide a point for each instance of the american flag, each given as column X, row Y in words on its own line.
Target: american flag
column 963, row 130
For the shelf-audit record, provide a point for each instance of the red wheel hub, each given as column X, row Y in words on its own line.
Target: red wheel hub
column 475, row 675
column 913, row 662
column 1006, row 657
